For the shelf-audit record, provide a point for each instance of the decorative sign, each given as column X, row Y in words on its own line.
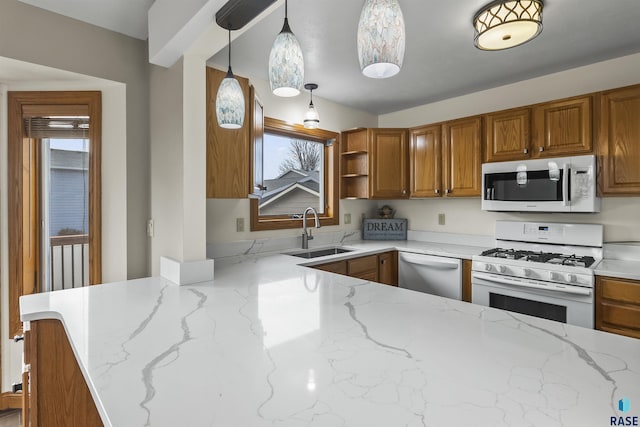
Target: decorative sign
column 384, row 229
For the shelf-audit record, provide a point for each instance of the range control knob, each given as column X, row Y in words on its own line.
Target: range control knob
column 487, row 267
column 502, row 269
column 526, row 272
column 571, row 278
column 552, row 275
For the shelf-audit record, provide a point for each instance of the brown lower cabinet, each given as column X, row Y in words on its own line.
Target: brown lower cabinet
column 58, row 395
column 466, row 280
column 618, row 306
column 382, row 268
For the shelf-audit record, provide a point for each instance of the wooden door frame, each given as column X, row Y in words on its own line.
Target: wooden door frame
column 72, row 103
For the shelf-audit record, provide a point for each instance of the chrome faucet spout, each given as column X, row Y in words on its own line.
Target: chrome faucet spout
column 306, row 234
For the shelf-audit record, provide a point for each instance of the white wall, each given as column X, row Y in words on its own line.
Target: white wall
column 37, row 36
column 620, row 215
column 222, row 213
column 120, row 64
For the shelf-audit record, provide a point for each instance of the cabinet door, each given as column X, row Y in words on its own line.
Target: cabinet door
column 562, row 128
column 462, row 155
column 388, row 268
column 618, row 306
column 507, row 135
column 425, row 160
column 365, row 267
column 389, row 156
column 228, row 150
column 466, row 280
column 59, row 395
column 619, row 143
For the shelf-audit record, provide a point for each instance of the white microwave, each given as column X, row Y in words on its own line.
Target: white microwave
column 562, row 184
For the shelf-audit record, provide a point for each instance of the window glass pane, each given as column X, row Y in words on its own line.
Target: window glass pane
column 293, row 175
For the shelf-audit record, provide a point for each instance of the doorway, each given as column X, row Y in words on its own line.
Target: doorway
column 54, row 193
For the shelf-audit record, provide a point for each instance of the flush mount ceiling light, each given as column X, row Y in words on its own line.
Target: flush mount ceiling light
column 286, row 64
column 381, row 37
column 230, row 100
column 311, row 117
column 507, row 23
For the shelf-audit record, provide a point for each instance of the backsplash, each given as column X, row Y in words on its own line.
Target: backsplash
column 278, row 244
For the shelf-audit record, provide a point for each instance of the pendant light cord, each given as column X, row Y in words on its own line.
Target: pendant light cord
column 285, row 9
column 229, row 47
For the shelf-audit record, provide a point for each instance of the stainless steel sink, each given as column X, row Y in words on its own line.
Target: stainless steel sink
column 315, row 253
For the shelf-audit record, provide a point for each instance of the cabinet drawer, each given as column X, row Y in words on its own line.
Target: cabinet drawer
column 371, row 276
column 363, row 265
column 620, row 290
column 621, row 315
column 338, row 267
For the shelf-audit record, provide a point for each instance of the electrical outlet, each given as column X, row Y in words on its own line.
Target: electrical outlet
column 441, row 219
column 150, row 230
column 347, row 218
column 239, row 224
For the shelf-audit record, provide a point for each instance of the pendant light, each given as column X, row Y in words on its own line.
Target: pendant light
column 286, row 64
column 381, row 37
column 230, row 100
column 311, row 117
column 507, row 23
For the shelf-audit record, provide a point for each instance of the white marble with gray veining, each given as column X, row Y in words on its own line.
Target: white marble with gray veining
column 273, row 343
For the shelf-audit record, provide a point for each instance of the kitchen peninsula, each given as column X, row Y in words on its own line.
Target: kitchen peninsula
column 271, row 342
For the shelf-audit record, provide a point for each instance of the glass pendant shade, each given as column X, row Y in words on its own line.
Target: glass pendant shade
column 311, row 118
column 507, row 23
column 230, row 103
column 381, row 38
column 286, row 64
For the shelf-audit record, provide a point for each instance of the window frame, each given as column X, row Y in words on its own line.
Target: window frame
column 331, row 178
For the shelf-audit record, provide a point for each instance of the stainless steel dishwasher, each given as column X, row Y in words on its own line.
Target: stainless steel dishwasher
column 430, row 274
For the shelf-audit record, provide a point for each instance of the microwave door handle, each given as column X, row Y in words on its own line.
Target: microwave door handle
column 565, row 185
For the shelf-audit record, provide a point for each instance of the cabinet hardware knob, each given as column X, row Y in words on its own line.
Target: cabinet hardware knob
column 18, row 338
column 447, row 191
column 526, row 150
column 437, row 191
column 541, row 149
column 381, row 261
column 404, row 191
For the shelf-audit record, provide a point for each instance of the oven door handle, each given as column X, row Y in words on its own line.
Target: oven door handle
column 575, row 290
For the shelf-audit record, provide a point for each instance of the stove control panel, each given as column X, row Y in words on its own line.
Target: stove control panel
column 550, row 274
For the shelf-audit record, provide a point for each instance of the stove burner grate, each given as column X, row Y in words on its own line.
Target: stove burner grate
column 542, row 257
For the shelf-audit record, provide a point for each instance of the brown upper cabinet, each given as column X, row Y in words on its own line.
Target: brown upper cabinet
column 425, row 161
column 389, row 163
column 374, row 164
column 550, row 129
column 619, row 141
column 507, row 135
column 229, row 172
column 446, row 159
column 354, row 164
column 563, row 128
column 462, row 157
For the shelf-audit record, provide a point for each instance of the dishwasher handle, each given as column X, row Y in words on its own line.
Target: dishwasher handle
column 429, row 261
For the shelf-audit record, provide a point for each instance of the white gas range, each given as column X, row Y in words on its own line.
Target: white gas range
column 540, row 269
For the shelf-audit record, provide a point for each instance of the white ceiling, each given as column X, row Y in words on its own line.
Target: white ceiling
column 122, row 16
column 440, row 60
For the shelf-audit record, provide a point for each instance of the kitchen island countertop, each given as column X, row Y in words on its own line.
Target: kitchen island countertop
column 270, row 342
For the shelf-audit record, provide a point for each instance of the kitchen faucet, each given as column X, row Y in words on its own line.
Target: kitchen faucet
column 306, row 235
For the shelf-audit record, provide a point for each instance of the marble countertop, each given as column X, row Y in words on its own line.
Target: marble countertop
column 272, row 343
column 624, row 269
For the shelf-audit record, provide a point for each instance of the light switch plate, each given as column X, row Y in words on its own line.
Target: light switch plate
column 347, row 218
column 239, row 225
column 441, row 219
